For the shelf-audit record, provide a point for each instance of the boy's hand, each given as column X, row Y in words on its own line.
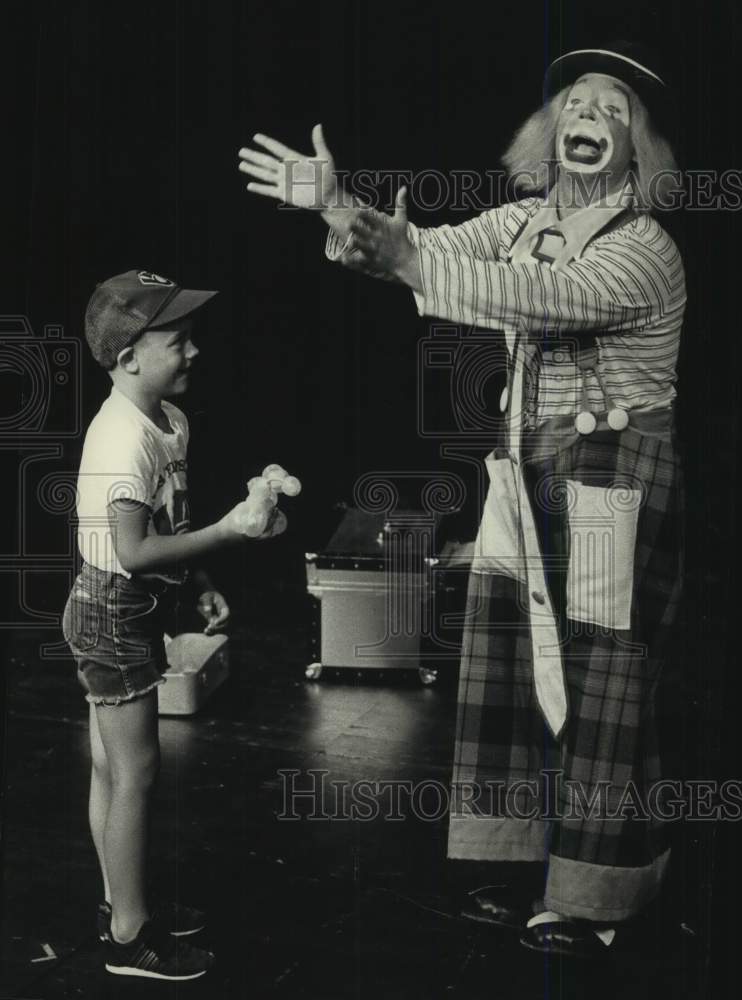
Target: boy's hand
column 232, row 525
column 276, row 524
column 239, row 521
column 213, row 607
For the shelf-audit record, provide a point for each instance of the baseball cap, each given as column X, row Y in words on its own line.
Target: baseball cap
column 123, row 307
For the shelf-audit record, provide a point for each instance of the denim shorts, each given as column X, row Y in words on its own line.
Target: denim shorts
column 114, row 626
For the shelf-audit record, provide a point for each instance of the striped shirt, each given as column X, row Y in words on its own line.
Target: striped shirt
column 626, row 285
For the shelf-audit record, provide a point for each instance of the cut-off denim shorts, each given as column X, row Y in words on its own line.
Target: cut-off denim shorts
column 114, row 626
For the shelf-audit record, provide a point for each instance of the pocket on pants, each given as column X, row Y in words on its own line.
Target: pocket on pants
column 130, row 607
column 81, row 620
column 602, row 540
column 137, row 623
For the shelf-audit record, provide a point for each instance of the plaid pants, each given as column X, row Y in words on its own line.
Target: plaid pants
column 588, row 805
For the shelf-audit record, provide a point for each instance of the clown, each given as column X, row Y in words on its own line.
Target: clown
column 576, row 575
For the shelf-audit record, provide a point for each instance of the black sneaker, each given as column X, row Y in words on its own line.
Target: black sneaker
column 179, row 920
column 155, row 954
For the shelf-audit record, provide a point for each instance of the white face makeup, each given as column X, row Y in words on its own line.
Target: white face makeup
column 593, row 132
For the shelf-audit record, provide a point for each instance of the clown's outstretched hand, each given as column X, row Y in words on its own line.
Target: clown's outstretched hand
column 290, row 176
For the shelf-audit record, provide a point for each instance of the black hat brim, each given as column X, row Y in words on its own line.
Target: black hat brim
column 185, row 302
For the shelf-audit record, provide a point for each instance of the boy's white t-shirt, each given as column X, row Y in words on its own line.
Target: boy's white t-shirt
column 127, row 457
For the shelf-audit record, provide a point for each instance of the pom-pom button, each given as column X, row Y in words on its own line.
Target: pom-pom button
column 618, row 420
column 585, row 422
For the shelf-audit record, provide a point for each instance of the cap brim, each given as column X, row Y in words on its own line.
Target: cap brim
column 181, row 305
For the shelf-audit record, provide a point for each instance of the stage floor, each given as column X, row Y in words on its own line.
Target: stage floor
column 314, row 908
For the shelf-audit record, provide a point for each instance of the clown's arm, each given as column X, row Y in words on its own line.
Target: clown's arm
column 634, row 282
column 312, row 182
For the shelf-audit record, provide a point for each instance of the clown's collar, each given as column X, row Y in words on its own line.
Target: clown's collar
column 578, row 228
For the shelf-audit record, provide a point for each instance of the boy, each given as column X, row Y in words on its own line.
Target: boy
column 135, row 539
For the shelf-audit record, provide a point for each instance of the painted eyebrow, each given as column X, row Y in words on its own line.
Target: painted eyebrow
column 620, row 90
column 613, row 86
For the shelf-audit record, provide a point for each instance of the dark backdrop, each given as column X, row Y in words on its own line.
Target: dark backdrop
column 122, row 127
column 125, row 122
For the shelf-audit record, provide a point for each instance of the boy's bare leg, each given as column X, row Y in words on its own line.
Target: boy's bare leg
column 128, row 732
column 100, row 796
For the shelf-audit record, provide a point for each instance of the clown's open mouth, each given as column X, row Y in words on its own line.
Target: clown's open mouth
column 583, row 148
